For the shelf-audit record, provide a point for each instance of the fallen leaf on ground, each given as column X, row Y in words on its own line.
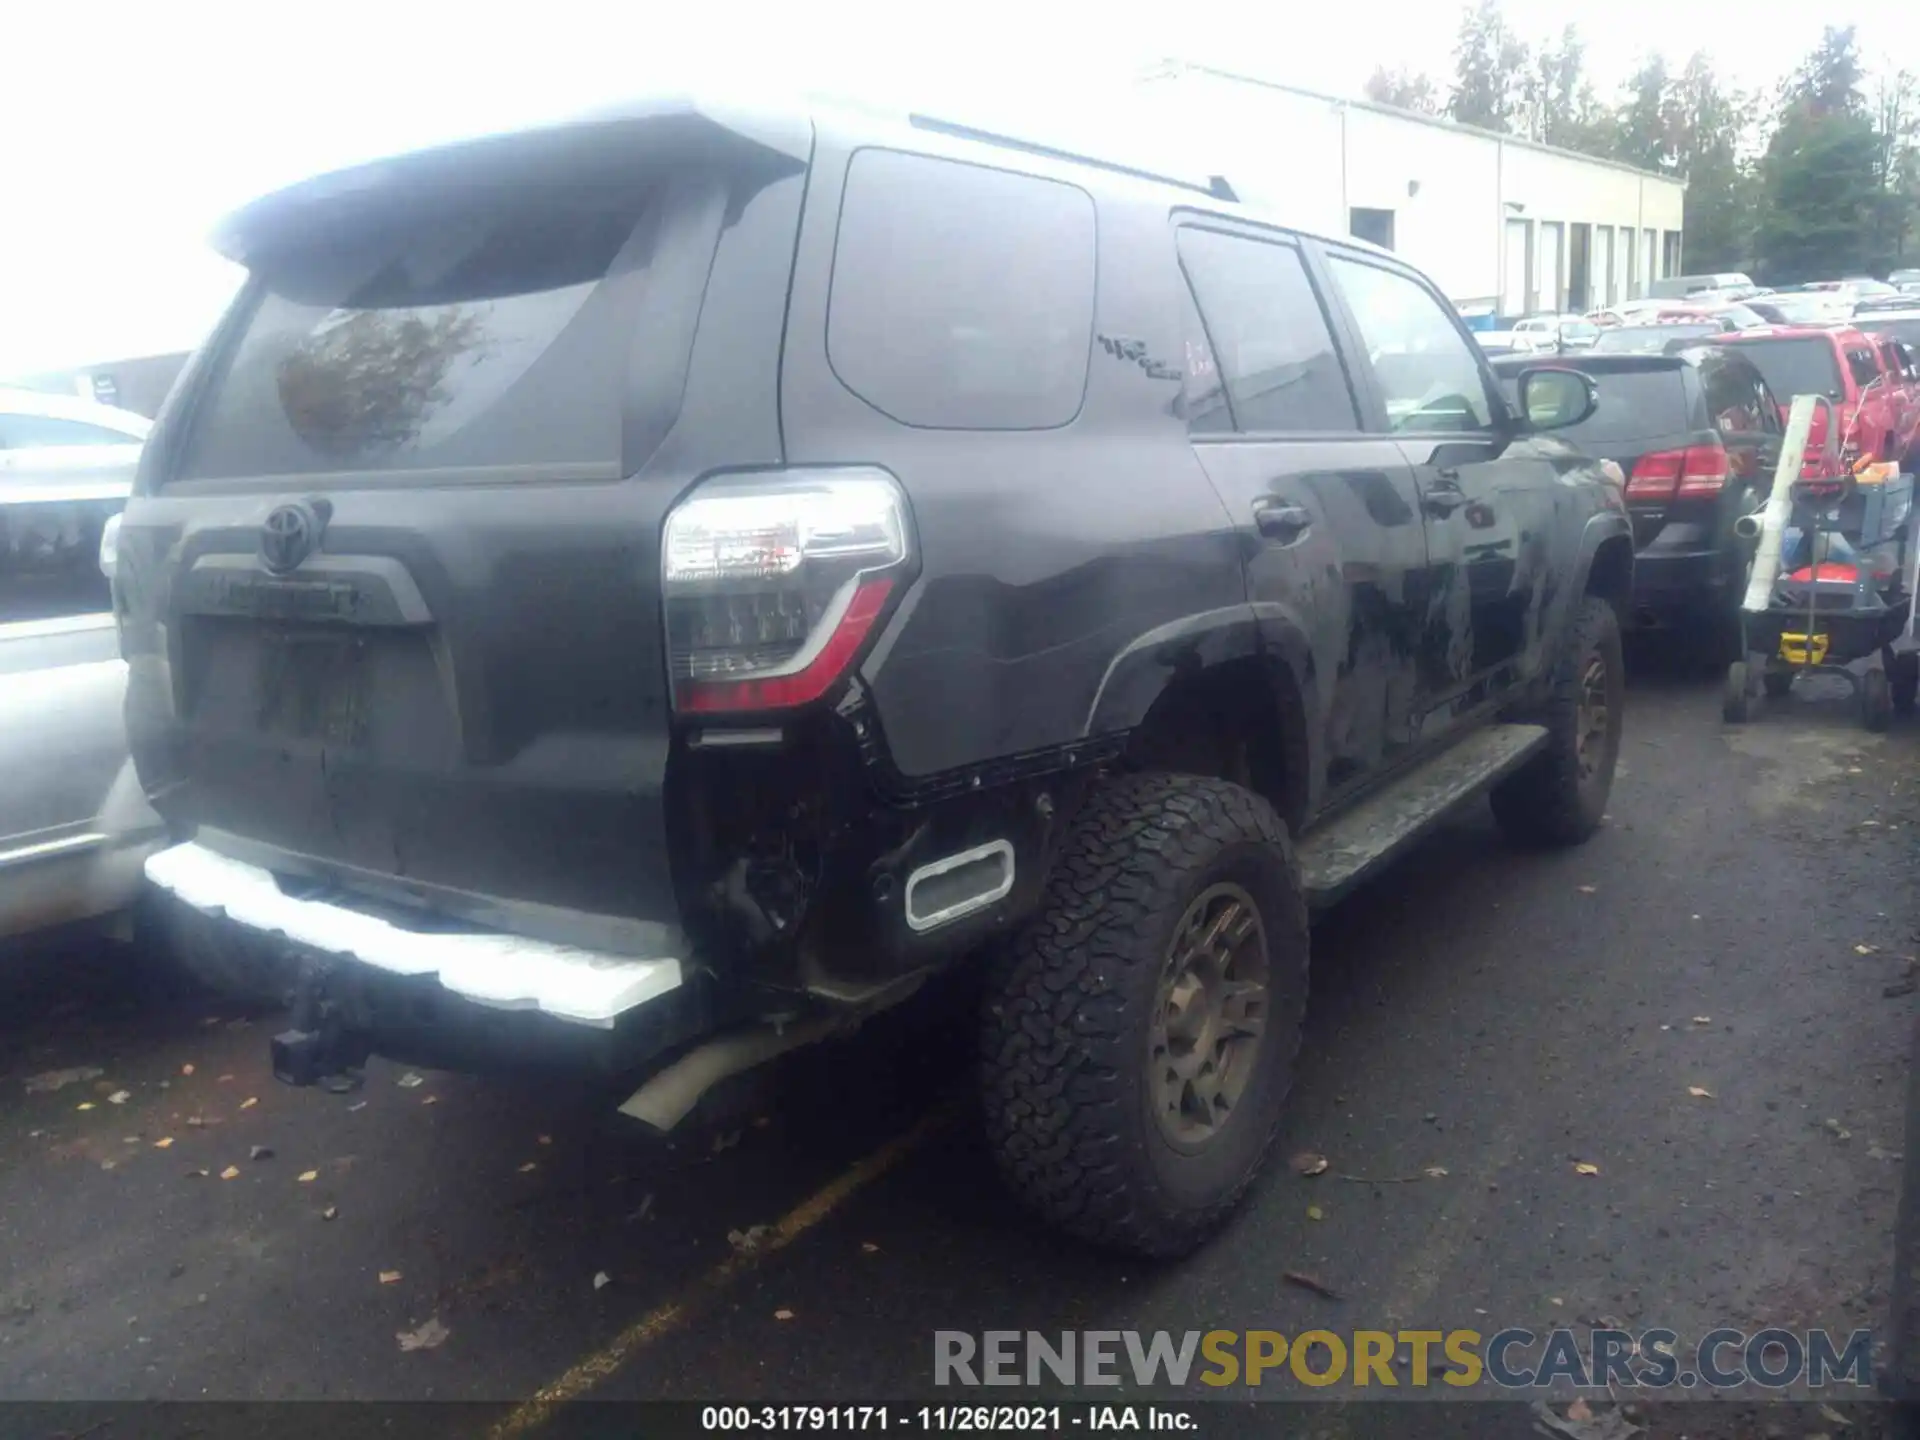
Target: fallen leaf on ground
column 1588, row 889
column 260, row 1152
column 646, row 1206
column 230, row 1173
column 307, row 1177
column 222, row 1079
column 1308, row 1163
column 1307, row 1282
column 1314, row 1212
column 544, row 1140
column 200, row 1122
column 725, row 1140
column 186, row 1069
column 329, row 1212
column 1435, row 1172
column 1703, row 1019
column 360, row 1105
column 163, row 1142
column 1878, row 1152
column 411, row 1081
column 1585, row 1167
column 431, row 1100
column 389, row 1277
column 1834, row 1417
column 106, row 1164
column 601, row 1280
column 430, row 1336
column 84, row 1105
column 250, row 1102
column 196, row 1174
column 1699, row 1092
column 748, row 1240
column 867, row 1247
column 783, row 1314
column 119, row 1097
column 1865, row 949
column 49, row 1080
column 528, row 1168
column 1838, row 1131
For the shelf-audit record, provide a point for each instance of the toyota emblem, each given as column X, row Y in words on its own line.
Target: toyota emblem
column 289, row 535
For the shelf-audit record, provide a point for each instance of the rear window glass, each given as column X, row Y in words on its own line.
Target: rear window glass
column 1797, row 367
column 962, row 297
column 1639, row 405
column 482, row 333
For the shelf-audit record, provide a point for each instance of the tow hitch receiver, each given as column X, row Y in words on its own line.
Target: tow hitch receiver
column 317, row 1048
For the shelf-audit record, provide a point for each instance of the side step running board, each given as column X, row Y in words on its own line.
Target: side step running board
column 1336, row 857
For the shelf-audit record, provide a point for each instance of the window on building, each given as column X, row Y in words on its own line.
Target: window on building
column 1670, row 253
column 1269, row 334
column 1373, row 226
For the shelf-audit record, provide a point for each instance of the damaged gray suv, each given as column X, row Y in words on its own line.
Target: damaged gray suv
column 642, row 594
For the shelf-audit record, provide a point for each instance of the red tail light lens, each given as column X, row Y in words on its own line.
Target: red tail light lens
column 1696, row 471
column 773, row 584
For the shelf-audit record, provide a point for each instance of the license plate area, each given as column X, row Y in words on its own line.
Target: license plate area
column 312, row 685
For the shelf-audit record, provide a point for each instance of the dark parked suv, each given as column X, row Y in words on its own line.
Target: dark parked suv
column 1696, row 433
column 644, row 594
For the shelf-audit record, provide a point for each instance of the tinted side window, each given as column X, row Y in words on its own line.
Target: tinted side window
column 962, row 297
column 1270, row 337
column 1427, row 370
column 1865, row 368
column 1732, row 400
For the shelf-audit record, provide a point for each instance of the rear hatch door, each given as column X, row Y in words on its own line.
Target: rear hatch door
column 391, row 580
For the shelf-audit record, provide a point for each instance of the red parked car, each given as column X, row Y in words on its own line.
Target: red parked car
column 1879, row 409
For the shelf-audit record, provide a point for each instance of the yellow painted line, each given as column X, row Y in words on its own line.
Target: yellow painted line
column 580, row 1380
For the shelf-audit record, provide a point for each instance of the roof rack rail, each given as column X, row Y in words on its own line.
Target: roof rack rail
column 1216, row 185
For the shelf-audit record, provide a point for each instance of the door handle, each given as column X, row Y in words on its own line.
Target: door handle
column 1285, row 523
column 1442, row 500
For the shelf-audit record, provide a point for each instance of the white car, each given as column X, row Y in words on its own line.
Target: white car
column 1554, row 332
column 74, row 825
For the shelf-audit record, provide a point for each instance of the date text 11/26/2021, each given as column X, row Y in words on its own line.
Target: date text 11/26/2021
column 1040, row 1419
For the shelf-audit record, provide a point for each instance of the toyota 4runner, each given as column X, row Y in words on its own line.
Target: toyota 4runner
column 645, row 593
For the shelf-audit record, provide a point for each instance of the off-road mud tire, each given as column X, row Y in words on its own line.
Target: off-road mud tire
column 1069, row 1003
column 1547, row 802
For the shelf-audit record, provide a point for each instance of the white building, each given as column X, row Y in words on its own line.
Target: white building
column 1494, row 220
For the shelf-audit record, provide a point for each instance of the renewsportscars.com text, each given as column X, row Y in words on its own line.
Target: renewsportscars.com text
column 1511, row 1359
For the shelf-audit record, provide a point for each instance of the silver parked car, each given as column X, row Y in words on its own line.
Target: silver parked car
column 74, row 825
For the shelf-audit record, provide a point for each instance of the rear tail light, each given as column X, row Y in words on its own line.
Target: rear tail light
column 774, row 583
column 1696, row 471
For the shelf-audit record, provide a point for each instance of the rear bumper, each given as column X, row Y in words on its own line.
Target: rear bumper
column 1674, row 583
column 490, row 969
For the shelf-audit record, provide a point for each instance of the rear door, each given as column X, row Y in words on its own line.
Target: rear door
column 1329, row 512
column 393, row 580
column 1487, row 501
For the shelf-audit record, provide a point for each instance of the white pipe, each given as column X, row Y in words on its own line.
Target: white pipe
column 1773, row 520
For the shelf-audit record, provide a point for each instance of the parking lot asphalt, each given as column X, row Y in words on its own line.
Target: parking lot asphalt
column 1696, row 1003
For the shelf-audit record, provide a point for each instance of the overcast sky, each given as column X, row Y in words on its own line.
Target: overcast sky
column 129, row 127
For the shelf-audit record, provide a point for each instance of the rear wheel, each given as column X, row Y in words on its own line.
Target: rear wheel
column 1903, row 679
column 1139, row 1034
column 1735, row 704
column 1777, row 682
column 211, row 953
column 1558, row 797
column 1876, row 699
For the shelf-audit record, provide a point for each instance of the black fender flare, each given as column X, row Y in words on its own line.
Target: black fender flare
column 1599, row 529
column 1147, row 666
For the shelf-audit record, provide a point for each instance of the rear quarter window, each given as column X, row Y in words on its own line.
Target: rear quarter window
column 962, row 297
